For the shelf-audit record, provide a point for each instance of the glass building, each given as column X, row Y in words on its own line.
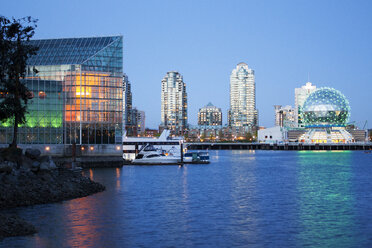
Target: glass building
column 326, row 107
column 76, row 94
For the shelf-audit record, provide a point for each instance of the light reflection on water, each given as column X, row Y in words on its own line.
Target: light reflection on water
column 243, row 198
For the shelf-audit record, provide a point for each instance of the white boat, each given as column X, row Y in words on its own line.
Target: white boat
column 154, row 157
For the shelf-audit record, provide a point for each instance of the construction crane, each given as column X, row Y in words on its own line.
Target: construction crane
column 365, row 124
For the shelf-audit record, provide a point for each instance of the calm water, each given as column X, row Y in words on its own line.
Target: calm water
column 241, row 199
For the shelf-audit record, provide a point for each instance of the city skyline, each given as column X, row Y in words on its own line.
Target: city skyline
column 284, row 42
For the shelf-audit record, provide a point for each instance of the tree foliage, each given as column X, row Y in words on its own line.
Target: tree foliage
column 14, row 52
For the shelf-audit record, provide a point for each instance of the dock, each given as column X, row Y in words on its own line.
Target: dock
column 281, row 147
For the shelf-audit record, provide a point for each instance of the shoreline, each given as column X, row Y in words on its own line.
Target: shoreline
column 31, row 179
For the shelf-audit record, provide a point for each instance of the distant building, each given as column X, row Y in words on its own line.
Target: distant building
column 127, row 106
column 138, row 121
column 243, row 112
column 151, row 132
column 301, row 95
column 173, row 103
column 272, row 135
column 210, row 116
column 285, row 116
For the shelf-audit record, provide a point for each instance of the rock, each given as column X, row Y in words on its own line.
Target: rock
column 52, row 165
column 44, row 166
column 5, row 167
column 44, row 159
column 12, row 154
column 12, row 225
column 32, row 153
column 35, row 166
column 26, row 162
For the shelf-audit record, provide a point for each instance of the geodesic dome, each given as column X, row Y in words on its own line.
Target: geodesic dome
column 326, row 107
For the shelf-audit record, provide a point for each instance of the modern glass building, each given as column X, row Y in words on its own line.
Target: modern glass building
column 76, row 94
column 326, row 107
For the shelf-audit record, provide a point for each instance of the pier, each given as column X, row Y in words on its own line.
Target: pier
column 281, row 147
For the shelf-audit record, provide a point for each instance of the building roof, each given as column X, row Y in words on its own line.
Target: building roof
column 68, row 50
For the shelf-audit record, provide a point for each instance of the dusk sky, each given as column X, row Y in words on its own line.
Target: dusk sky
column 285, row 42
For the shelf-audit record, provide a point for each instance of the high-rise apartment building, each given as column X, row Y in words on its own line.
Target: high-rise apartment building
column 139, row 119
column 210, row 116
column 284, row 116
column 77, row 96
column 243, row 112
column 300, row 97
column 173, row 103
column 127, row 105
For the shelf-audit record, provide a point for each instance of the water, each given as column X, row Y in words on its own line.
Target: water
column 241, row 199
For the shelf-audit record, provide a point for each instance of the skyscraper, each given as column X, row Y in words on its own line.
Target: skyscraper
column 173, row 103
column 284, row 116
column 243, row 112
column 300, row 96
column 127, row 105
column 138, row 118
column 210, row 116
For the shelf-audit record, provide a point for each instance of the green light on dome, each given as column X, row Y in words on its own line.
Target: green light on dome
column 326, row 107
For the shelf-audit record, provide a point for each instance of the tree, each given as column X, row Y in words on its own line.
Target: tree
column 14, row 52
column 248, row 137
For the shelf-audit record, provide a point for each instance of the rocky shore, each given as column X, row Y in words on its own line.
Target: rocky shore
column 29, row 179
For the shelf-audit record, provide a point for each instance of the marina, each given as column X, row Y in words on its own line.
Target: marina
column 160, row 151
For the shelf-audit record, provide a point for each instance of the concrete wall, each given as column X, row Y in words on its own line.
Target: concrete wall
column 81, row 150
column 271, row 135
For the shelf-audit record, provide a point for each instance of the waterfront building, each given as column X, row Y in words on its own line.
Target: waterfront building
column 210, row 115
column 138, row 118
column 76, row 93
column 173, row 103
column 275, row 134
column 325, row 114
column 284, row 116
column 301, row 95
column 127, row 106
column 243, row 112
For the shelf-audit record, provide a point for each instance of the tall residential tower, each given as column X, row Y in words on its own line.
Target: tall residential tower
column 173, row 103
column 301, row 95
column 243, row 112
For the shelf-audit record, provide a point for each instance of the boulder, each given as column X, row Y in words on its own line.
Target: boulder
column 6, row 167
column 44, row 166
column 32, row 153
column 52, row 165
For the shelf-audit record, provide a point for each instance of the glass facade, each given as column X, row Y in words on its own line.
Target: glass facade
column 76, row 95
column 326, row 107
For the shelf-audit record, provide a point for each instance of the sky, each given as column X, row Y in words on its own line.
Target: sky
column 328, row 42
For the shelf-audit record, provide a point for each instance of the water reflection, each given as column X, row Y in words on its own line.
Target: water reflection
column 325, row 199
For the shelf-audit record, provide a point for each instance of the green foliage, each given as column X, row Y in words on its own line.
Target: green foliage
column 14, row 52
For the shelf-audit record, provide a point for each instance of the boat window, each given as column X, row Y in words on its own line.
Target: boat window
column 153, row 155
column 139, row 156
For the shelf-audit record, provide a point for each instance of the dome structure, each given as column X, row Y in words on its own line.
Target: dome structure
column 326, row 107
